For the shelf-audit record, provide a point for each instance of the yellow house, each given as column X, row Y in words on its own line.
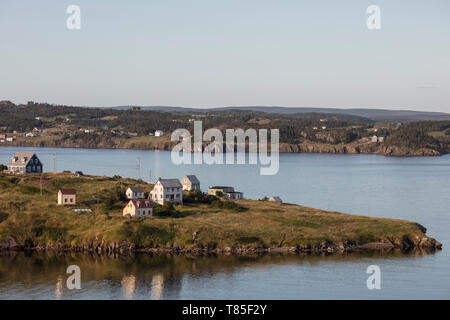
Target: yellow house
column 138, row 208
column 67, row 196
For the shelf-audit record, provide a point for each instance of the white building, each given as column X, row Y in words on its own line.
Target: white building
column 167, row 190
column 227, row 192
column 190, row 182
column 138, row 208
column 276, row 199
column 135, row 193
column 159, row 133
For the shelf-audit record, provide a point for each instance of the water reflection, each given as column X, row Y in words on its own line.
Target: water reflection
column 149, row 276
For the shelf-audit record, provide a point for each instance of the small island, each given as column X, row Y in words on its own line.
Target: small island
column 32, row 219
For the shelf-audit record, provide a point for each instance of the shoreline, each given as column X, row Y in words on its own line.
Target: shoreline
column 284, row 149
column 424, row 244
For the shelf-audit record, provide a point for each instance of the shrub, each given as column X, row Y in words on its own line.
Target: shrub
column 166, row 210
column 196, row 196
column 228, row 205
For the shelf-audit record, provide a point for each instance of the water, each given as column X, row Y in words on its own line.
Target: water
column 415, row 189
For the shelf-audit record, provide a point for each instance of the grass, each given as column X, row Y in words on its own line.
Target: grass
column 32, row 218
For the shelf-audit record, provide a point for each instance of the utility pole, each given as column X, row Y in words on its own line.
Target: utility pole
column 54, row 162
column 139, row 168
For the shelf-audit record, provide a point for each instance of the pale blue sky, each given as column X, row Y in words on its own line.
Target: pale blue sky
column 205, row 53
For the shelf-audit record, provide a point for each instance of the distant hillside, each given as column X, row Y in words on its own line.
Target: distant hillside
column 381, row 115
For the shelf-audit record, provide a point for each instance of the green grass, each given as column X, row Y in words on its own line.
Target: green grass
column 34, row 218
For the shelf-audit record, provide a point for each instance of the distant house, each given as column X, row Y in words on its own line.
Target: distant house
column 315, row 128
column 324, row 127
column 167, row 190
column 138, row 208
column 377, row 139
column 3, row 136
column 25, row 162
column 228, row 192
column 159, row 133
column 40, row 129
column 30, row 135
column 190, row 182
column 134, row 193
column 67, row 196
column 10, row 139
column 276, row 199
column 136, row 108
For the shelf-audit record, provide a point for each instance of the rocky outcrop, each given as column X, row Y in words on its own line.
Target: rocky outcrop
column 407, row 243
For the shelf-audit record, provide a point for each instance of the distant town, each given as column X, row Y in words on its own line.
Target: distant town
column 46, row 125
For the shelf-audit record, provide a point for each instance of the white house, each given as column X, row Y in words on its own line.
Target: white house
column 167, row 190
column 134, row 193
column 377, row 139
column 190, row 182
column 159, row 133
column 276, row 199
column 227, row 192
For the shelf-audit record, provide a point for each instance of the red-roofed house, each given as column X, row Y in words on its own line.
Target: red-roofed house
column 67, row 196
column 138, row 208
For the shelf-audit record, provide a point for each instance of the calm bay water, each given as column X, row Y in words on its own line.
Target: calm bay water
column 415, row 189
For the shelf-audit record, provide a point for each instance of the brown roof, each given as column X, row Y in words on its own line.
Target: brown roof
column 68, row 191
column 142, row 203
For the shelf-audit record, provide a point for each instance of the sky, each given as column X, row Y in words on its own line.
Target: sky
column 212, row 53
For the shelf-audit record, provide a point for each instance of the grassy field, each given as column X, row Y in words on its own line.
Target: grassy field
column 32, row 217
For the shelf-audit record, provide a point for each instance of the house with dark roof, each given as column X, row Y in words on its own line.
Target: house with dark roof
column 226, row 192
column 167, row 190
column 67, row 196
column 276, row 199
column 138, row 208
column 25, row 162
column 190, row 182
column 135, row 193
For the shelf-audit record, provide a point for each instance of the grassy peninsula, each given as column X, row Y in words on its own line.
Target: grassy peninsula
column 30, row 218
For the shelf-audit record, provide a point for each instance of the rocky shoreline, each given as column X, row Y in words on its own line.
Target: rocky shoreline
column 422, row 243
column 309, row 147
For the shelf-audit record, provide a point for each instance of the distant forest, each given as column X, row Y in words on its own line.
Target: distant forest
column 294, row 128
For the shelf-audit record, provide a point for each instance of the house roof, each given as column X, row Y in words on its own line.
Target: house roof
column 193, row 179
column 21, row 156
column 136, row 189
column 68, row 191
column 221, row 187
column 142, row 203
column 170, row 183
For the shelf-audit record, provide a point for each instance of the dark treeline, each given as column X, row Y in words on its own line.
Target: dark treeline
column 294, row 128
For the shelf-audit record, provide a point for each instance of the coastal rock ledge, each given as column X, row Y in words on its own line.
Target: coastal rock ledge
column 422, row 243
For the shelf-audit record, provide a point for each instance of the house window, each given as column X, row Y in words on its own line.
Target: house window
column 65, row 200
column 71, row 200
